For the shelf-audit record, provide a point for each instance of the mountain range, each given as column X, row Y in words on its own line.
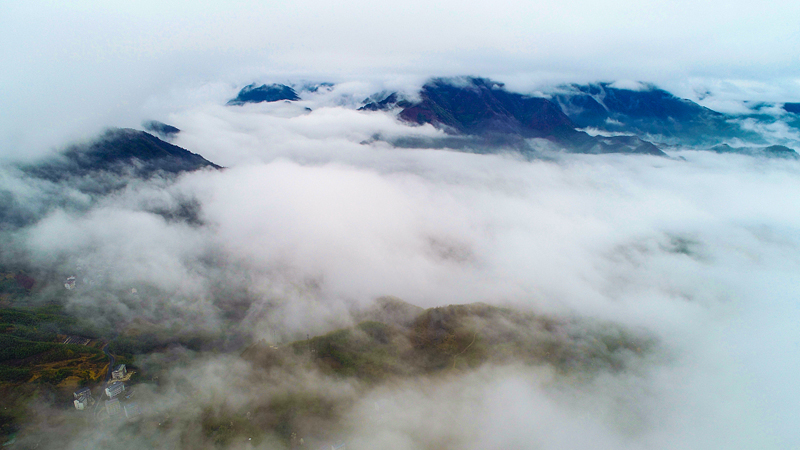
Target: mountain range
column 475, row 114
column 478, row 113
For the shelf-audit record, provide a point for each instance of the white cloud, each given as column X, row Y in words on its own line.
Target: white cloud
column 699, row 252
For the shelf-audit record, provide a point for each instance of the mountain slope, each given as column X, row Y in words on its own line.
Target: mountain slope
column 485, row 110
column 121, row 151
column 649, row 112
column 428, row 341
column 483, row 106
column 105, row 165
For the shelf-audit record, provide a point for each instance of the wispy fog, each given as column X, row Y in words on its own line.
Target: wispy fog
column 314, row 218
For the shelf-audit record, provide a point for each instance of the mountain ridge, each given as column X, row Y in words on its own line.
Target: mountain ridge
column 121, row 151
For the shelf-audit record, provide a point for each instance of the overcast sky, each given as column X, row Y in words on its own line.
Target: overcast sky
column 72, row 68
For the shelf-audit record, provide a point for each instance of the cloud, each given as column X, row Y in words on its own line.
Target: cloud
column 314, row 218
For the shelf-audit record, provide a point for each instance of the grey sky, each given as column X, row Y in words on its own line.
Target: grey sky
column 70, row 69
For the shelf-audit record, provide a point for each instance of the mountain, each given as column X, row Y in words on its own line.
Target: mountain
column 100, row 167
column 648, row 112
column 484, row 109
column 774, row 151
column 264, row 93
column 121, row 151
column 479, row 106
column 160, row 128
column 793, row 108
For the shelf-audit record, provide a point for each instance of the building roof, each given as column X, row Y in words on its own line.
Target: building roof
column 115, row 388
column 82, row 392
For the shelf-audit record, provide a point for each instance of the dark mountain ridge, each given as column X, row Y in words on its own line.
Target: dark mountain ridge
column 793, row 108
column 264, row 93
column 480, row 115
column 122, row 151
column 650, row 112
column 482, row 108
column 774, row 151
column 103, row 166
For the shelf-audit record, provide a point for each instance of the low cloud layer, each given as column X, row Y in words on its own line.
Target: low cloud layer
column 312, row 219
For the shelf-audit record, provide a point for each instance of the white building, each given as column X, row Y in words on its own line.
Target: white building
column 114, row 389
column 119, row 372
column 82, row 398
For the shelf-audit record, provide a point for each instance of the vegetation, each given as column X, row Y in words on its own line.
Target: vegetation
column 459, row 337
column 368, row 351
column 391, row 340
column 31, row 347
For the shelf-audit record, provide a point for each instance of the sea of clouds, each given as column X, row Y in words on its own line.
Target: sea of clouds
column 313, row 217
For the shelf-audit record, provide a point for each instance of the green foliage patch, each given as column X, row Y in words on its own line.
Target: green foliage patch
column 14, row 348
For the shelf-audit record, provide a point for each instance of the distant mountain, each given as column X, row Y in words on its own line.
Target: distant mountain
column 391, row 101
column 264, row 93
column 649, row 112
column 481, row 106
column 315, row 87
column 484, row 109
column 119, row 152
column 774, row 151
column 793, row 108
column 100, row 167
column 160, row 128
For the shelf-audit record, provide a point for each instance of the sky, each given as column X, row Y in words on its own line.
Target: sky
column 71, row 69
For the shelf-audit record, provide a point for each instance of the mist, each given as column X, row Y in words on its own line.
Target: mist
column 655, row 298
column 311, row 221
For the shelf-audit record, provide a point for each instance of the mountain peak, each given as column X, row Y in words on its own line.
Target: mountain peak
column 264, row 93
column 121, row 151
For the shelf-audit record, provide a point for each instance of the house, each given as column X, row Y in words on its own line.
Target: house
column 85, row 392
column 119, row 372
column 113, row 407
column 114, row 389
column 81, row 403
column 70, row 283
column 82, row 398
